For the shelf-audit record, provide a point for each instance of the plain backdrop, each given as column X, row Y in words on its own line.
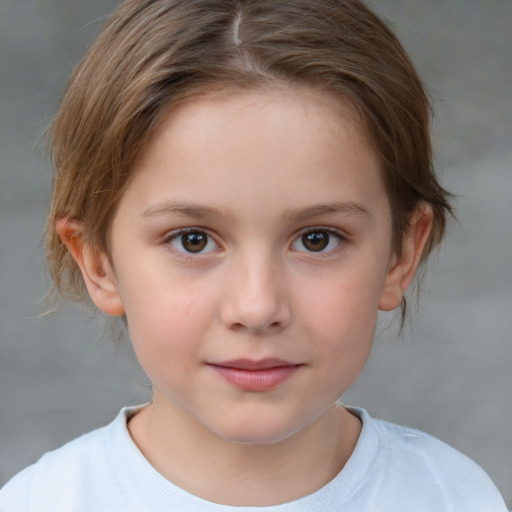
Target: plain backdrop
column 449, row 375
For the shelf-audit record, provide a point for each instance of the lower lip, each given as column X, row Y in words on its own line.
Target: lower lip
column 256, row 380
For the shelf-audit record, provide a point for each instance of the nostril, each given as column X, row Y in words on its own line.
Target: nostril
column 269, row 328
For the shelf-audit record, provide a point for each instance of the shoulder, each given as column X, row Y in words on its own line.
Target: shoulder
column 62, row 479
column 434, row 456
column 418, row 462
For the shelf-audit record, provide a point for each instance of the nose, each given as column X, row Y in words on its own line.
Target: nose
column 256, row 299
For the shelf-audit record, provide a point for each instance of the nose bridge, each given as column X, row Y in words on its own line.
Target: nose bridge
column 256, row 298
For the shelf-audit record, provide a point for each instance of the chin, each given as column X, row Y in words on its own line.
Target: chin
column 258, row 430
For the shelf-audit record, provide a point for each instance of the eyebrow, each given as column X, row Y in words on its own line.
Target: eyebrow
column 349, row 208
column 185, row 209
column 197, row 211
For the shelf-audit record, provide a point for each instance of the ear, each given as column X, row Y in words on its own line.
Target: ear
column 95, row 266
column 402, row 268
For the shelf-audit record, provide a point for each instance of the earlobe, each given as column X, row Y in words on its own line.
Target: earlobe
column 403, row 267
column 95, row 266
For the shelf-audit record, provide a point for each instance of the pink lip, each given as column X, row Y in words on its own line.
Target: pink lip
column 249, row 375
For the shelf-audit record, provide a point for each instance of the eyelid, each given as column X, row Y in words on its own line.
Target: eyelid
column 177, row 233
column 342, row 237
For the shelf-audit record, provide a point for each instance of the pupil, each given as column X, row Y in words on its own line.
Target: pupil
column 194, row 242
column 316, row 241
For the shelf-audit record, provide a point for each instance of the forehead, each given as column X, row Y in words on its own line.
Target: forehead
column 232, row 105
column 298, row 143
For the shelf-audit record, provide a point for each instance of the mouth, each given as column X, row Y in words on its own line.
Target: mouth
column 257, row 376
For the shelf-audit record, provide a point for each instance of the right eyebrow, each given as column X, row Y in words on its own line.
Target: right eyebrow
column 195, row 211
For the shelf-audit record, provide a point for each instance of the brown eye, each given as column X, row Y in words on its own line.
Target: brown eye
column 193, row 242
column 318, row 240
column 315, row 240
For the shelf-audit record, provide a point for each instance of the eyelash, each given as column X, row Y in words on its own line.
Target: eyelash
column 178, row 235
column 331, row 233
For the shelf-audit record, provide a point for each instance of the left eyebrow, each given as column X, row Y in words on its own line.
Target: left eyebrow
column 348, row 208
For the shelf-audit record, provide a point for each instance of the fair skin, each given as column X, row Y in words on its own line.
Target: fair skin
column 257, row 318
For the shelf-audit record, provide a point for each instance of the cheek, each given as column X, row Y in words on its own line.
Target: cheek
column 346, row 303
column 344, row 340
column 341, row 317
column 345, row 331
column 167, row 322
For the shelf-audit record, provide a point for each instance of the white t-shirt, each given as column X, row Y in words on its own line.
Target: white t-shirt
column 392, row 469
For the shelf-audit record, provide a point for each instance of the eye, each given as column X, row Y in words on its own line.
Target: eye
column 317, row 240
column 192, row 241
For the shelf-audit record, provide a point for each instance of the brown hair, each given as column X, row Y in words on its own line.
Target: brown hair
column 155, row 54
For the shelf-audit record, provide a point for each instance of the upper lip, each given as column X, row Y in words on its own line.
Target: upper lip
column 249, row 364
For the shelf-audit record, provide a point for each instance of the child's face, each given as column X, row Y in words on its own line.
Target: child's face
column 256, row 233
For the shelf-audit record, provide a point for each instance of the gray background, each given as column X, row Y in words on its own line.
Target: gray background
column 449, row 375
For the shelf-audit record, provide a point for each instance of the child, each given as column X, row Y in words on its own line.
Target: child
column 246, row 183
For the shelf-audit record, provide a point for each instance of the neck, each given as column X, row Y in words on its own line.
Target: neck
column 221, row 471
